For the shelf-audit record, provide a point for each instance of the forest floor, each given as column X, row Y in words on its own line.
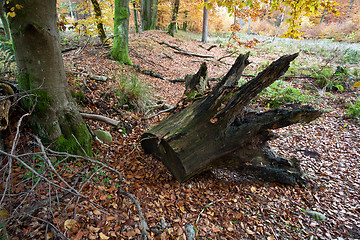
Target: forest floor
column 219, row 204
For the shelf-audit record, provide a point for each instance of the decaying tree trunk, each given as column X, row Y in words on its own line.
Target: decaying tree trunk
column 221, row 131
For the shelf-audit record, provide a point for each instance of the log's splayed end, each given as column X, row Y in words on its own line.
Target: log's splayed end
column 217, row 132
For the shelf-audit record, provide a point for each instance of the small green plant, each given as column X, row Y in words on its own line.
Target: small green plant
column 340, row 79
column 263, row 66
column 353, row 110
column 133, row 93
column 64, row 41
column 280, row 93
column 7, row 55
column 351, row 56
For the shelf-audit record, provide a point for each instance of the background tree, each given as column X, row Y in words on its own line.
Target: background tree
column 99, row 24
column 205, row 23
column 120, row 49
column 135, row 16
column 148, row 14
column 55, row 117
column 154, row 14
column 173, row 23
column 295, row 9
column 3, row 20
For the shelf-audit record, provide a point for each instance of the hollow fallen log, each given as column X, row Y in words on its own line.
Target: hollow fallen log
column 221, row 131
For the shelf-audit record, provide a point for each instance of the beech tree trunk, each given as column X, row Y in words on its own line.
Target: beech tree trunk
column 154, row 14
column 148, row 14
column 99, row 24
column 220, row 130
column 172, row 25
column 55, row 117
column 135, row 16
column 204, row 37
column 120, row 49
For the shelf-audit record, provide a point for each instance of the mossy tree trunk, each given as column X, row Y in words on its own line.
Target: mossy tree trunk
column 120, row 49
column 220, row 130
column 172, row 25
column 99, row 24
column 55, row 118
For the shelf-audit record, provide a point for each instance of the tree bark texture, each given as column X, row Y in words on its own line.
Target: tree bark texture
column 204, row 37
column 55, row 117
column 147, row 14
column 135, row 16
column 185, row 23
column 99, row 24
column 172, row 25
column 120, row 49
column 154, row 14
column 220, row 130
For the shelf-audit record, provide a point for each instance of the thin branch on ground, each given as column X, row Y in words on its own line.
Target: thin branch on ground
column 206, row 206
column 9, row 163
column 160, row 112
column 143, row 223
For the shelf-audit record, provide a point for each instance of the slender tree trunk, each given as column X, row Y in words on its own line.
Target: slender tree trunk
column 120, row 49
column 235, row 21
column 4, row 20
column 99, row 24
column 204, row 37
column 351, row 4
column 249, row 28
column 71, row 9
column 323, row 16
column 172, row 25
column 146, row 15
column 185, row 23
column 135, row 16
column 278, row 28
column 55, row 117
column 154, row 14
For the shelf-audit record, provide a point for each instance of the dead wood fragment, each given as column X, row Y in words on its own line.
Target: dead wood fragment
column 143, row 58
column 151, row 73
column 218, row 130
column 197, row 82
column 171, row 46
column 228, row 55
column 193, row 54
column 69, row 49
column 209, row 48
column 168, row 56
column 6, row 93
column 182, row 51
column 91, row 76
column 143, row 223
column 101, row 118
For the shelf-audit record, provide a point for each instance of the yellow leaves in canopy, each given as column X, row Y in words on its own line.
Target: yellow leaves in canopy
column 12, row 12
column 295, row 9
column 357, row 84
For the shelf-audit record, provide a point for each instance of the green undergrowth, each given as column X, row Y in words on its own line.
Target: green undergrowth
column 280, row 93
column 353, row 109
column 337, row 79
column 7, row 55
column 131, row 93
